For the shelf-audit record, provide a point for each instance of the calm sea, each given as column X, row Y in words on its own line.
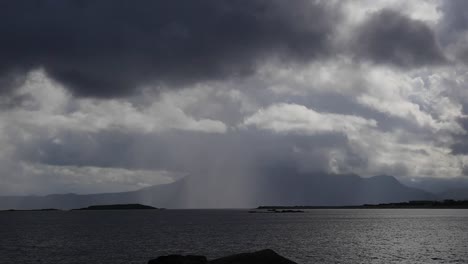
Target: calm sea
column 318, row 236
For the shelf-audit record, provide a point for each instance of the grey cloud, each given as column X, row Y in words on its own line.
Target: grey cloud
column 460, row 147
column 188, row 152
column 345, row 105
column 463, row 121
column 14, row 100
column 454, row 17
column 107, row 48
column 453, row 27
column 392, row 38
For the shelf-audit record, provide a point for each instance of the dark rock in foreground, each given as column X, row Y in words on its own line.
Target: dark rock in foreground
column 117, row 207
column 266, row 256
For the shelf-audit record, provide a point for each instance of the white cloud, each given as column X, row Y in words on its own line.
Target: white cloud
column 425, row 10
column 293, row 118
column 408, row 96
column 339, row 75
column 402, row 154
column 58, row 110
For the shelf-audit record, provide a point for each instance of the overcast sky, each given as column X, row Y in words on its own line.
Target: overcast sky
column 102, row 96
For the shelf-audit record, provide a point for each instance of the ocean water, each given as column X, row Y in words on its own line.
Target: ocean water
column 317, row 236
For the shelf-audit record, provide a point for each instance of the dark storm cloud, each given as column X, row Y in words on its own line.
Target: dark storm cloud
column 10, row 78
column 392, row 38
column 107, row 48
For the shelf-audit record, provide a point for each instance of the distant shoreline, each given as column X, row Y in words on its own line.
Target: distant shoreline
column 32, row 210
column 92, row 208
column 446, row 204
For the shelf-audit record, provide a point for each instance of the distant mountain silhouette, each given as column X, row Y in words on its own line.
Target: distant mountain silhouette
column 335, row 190
column 277, row 188
column 455, row 194
column 165, row 195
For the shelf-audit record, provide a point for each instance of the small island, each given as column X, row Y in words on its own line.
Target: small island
column 117, row 207
column 276, row 211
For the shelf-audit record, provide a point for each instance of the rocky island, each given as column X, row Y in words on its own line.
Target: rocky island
column 118, row 207
column 276, row 211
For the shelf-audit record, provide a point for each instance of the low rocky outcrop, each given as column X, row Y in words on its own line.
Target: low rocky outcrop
column 266, row 256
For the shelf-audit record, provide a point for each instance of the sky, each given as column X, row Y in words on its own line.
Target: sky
column 107, row 96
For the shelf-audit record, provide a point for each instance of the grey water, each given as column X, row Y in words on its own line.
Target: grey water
column 317, row 236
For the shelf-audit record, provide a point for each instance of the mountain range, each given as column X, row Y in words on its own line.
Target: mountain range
column 319, row 189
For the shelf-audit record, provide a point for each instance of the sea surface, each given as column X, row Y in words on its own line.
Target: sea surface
column 317, row 236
